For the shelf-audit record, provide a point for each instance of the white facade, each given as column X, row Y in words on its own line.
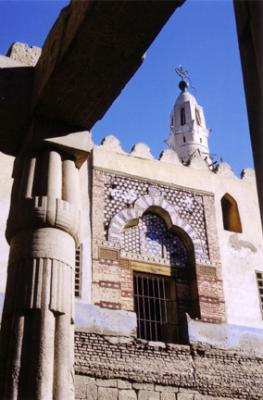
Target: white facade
column 241, row 253
column 188, row 131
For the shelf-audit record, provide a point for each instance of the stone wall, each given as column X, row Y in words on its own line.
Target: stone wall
column 118, row 389
column 121, row 368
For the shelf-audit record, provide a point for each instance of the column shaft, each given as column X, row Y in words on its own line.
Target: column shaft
column 36, row 337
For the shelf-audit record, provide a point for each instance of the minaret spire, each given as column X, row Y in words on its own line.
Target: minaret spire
column 188, row 131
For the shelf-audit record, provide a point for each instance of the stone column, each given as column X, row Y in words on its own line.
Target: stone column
column 37, row 335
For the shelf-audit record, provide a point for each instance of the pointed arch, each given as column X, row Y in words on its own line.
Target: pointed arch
column 230, row 214
column 130, row 216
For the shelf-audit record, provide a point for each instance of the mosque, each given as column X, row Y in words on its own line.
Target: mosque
column 169, row 270
column 169, row 303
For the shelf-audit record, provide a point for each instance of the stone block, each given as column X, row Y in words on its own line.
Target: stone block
column 185, row 396
column 80, row 386
column 24, row 54
column 127, row 395
column 106, row 382
column 91, row 390
column 78, row 144
column 107, row 393
column 206, row 397
column 166, row 389
column 124, row 384
column 167, row 396
column 148, row 395
column 143, row 386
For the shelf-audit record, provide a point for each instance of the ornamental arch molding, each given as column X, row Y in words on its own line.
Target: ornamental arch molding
column 130, row 217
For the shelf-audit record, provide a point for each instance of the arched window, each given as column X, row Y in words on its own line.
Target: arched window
column 231, row 218
column 163, row 293
column 197, row 117
column 182, row 112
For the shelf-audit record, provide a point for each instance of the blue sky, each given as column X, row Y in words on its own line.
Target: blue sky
column 201, row 36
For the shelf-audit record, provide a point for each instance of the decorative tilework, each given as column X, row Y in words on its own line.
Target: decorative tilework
column 151, row 237
column 188, row 206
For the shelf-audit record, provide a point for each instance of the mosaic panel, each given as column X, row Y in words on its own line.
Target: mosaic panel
column 121, row 192
column 151, row 237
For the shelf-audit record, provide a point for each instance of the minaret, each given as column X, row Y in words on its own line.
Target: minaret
column 188, row 131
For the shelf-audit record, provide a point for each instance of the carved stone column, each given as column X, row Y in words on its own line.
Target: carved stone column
column 37, row 336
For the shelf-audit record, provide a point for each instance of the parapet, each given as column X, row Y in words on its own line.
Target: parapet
column 168, row 156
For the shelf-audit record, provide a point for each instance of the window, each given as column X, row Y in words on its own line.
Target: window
column 197, row 117
column 78, row 272
column 231, row 218
column 184, row 139
column 164, row 289
column 156, row 308
column 260, row 289
column 182, row 116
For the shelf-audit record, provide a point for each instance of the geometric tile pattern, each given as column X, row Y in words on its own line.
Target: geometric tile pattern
column 151, row 237
column 126, row 199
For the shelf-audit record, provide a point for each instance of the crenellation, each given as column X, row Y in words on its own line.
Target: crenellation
column 141, row 150
column 226, row 170
column 111, row 143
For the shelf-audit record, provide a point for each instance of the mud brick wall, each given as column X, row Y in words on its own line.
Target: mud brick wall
column 151, row 370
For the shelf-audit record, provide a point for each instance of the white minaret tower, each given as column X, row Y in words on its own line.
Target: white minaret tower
column 188, row 131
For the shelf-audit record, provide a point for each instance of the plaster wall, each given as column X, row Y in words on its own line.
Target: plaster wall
column 241, row 253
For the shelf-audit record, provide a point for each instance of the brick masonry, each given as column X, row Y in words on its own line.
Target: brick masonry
column 121, row 368
column 210, row 284
column 113, row 277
